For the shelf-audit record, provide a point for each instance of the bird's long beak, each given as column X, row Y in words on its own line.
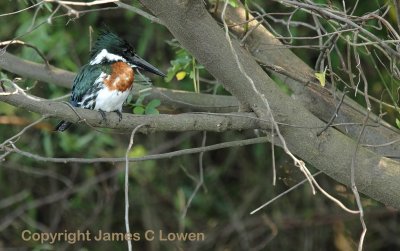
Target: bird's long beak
column 138, row 62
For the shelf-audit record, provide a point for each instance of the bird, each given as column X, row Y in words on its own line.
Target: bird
column 106, row 81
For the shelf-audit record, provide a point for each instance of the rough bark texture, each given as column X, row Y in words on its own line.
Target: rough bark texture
column 320, row 101
column 189, row 21
column 163, row 122
column 36, row 71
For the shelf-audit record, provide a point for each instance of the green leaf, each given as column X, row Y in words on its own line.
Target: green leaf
column 182, row 62
column 170, row 75
column 191, row 75
column 129, row 99
column 398, row 122
column 138, row 110
column 151, row 111
column 233, row 3
column 154, row 103
column 3, row 75
column 139, row 100
column 151, row 107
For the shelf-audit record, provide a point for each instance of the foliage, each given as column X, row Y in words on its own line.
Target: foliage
column 149, row 108
column 183, row 65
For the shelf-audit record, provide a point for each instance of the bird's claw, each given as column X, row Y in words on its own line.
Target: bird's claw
column 119, row 115
column 103, row 116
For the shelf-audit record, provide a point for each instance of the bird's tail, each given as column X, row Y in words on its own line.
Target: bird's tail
column 62, row 126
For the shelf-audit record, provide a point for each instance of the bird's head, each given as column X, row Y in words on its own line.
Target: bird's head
column 110, row 48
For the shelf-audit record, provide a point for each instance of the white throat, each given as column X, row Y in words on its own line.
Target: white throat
column 104, row 55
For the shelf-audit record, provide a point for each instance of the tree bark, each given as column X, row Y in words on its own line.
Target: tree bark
column 198, row 32
column 320, row 101
column 218, row 122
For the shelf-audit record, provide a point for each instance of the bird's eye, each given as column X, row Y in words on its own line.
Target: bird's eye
column 128, row 51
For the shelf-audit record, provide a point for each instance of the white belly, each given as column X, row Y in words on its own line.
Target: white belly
column 109, row 101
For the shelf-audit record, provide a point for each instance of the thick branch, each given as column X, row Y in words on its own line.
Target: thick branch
column 35, row 71
column 300, row 77
column 163, row 122
column 188, row 21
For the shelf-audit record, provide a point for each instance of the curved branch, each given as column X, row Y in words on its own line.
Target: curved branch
column 229, row 144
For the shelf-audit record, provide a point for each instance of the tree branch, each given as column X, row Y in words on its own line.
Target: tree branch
column 188, row 21
column 35, row 71
column 162, row 122
column 229, row 144
column 320, row 101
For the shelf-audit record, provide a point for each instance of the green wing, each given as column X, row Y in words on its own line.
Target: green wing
column 84, row 82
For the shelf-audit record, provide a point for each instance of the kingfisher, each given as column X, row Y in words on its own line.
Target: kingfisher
column 106, row 81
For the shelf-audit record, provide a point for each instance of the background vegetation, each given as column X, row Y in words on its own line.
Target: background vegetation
column 51, row 197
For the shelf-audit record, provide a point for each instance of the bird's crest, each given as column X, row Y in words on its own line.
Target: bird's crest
column 111, row 42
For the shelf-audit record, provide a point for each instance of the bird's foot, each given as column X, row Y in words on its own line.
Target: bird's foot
column 103, row 116
column 119, row 115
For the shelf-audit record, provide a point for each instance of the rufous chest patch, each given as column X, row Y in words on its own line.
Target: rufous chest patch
column 121, row 77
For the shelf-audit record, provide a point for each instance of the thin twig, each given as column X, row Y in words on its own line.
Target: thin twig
column 54, row 197
column 353, row 160
column 15, row 198
column 195, row 150
column 139, row 12
column 128, row 231
column 22, row 131
column 273, row 157
column 283, row 193
column 96, row 2
column 335, row 114
column 297, row 162
column 22, row 10
column 200, row 181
